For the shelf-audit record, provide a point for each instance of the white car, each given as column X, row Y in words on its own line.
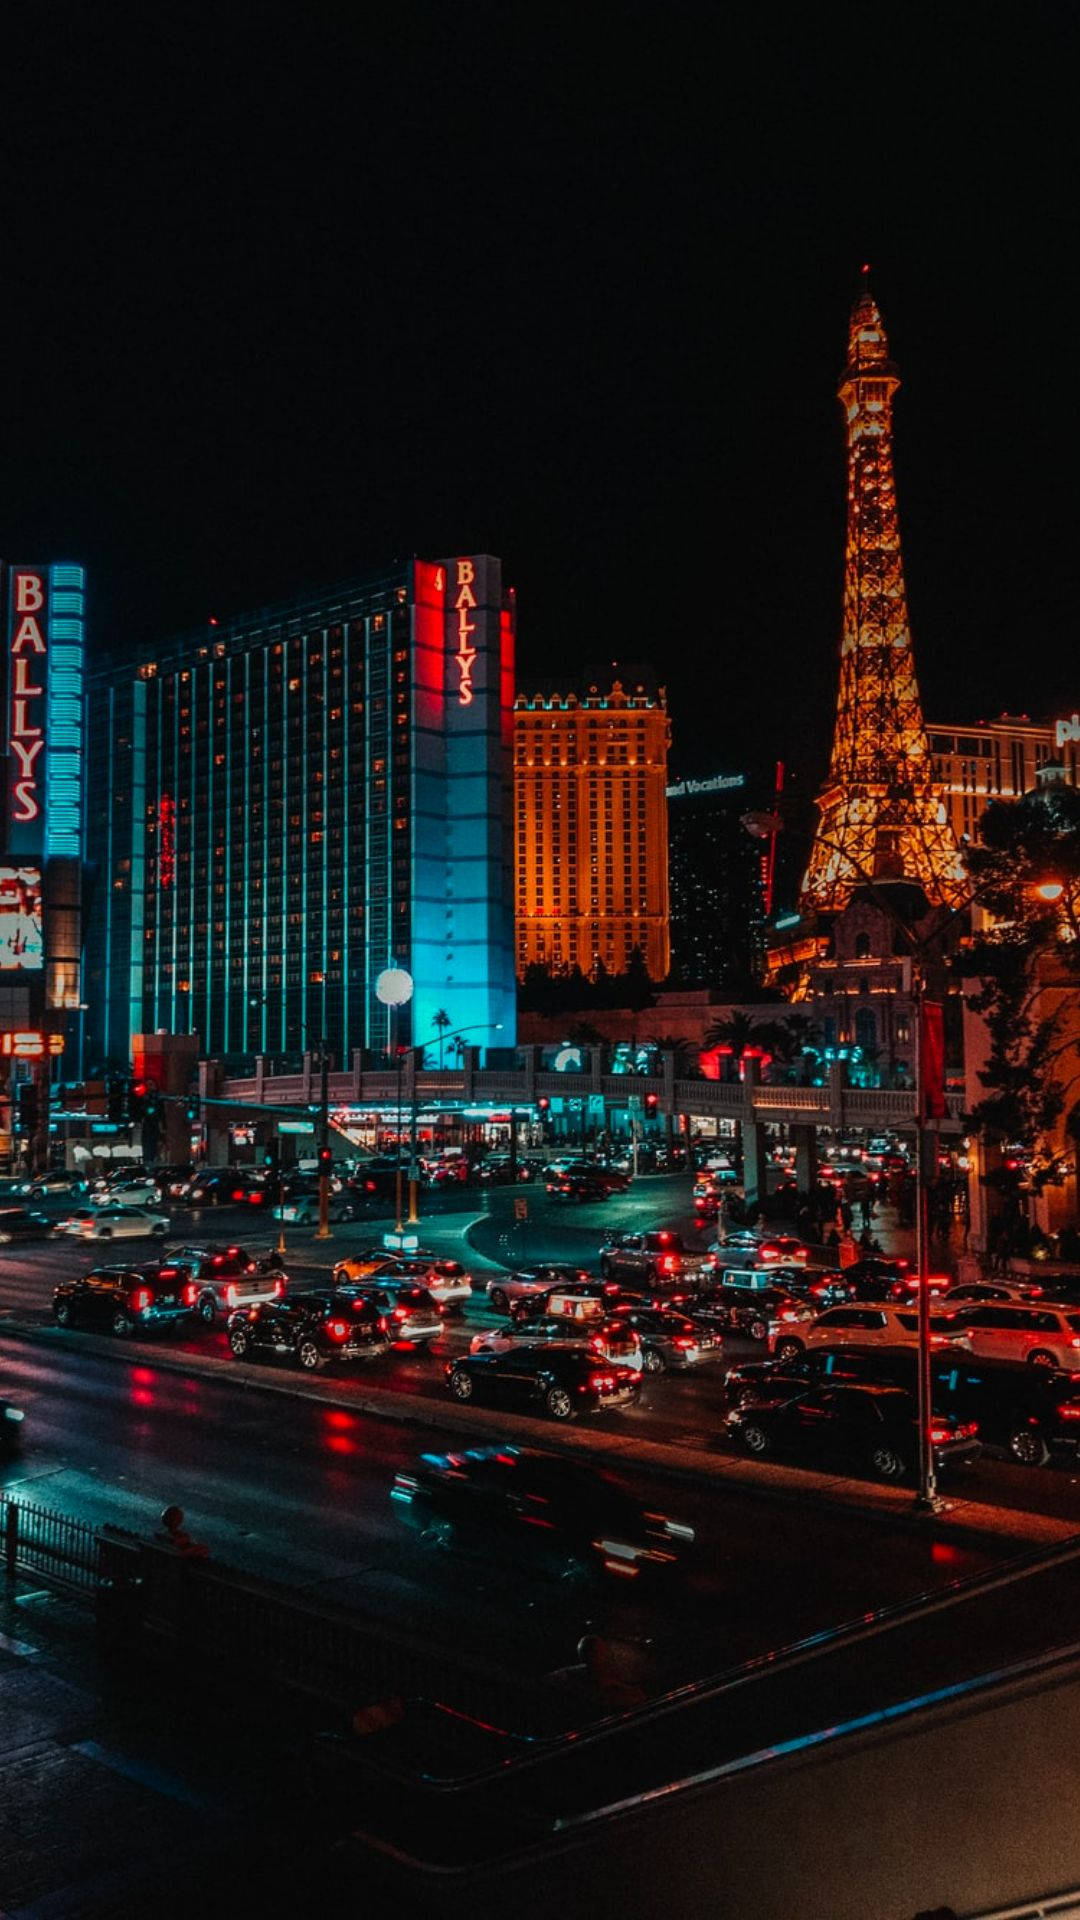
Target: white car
column 133, row 1193
column 114, row 1223
column 1040, row 1334
column 502, row 1288
column 446, row 1280
column 882, row 1325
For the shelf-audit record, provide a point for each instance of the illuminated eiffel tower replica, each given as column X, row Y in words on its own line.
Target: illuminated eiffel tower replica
column 881, row 816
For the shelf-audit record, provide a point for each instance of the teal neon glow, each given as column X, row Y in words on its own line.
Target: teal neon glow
column 64, row 714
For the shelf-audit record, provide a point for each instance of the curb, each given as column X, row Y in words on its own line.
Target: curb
column 961, row 1522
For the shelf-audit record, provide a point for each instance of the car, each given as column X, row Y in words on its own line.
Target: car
column 209, row 1187
column 376, row 1179
column 872, row 1427
column 811, row 1368
column 776, row 1248
column 408, row 1308
column 975, row 1292
column 883, row 1325
column 136, row 1192
column 311, row 1328
column 517, row 1502
column 445, row 1171
column 362, row 1265
column 499, row 1170
column 126, row 1300
column 110, row 1222
column 659, row 1256
column 559, row 1381
column 770, row 1313
column 585, row 1297
column 23, row 1223
column 503, row 1289
column 875, row 1278
column 669, row 1340
column 825, row 1286
column 302, row 1209
column 1042, row 1335
column 227, row 1278
column 45, row 1185
column 446, row 1280
column 594, row 1185
column 609, row 1339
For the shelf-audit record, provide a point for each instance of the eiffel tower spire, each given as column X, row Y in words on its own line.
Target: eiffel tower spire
column 881, row 816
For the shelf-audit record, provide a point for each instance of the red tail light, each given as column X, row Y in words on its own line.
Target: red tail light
column 669, row 1263
column 401, row 1313
column 601, row 1382
column 140, row 1300
column 237, row 1193
column 337, row 1330
column 682, row 1341
column 230, row 1294
column 384, row 1327
column 190, row 1294
column 279, row 1287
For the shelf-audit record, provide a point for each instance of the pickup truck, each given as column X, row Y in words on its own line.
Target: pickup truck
column 656, row 1259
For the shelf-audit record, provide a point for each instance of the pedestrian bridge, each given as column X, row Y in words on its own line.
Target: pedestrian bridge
column 834, row 1105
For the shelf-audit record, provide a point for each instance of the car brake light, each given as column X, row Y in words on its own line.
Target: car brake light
column 401, row 1313
column 238, row 1193
column 190, row 1294
column 279, row 1287
column 230, row 1294
column 384, row 1324
column 1069, row 1412
column 140, row 1300
column 337, row 1330
column 682, row 1341
column 789, row 1313
column 601, row 1382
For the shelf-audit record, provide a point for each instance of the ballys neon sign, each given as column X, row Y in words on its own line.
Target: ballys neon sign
column 27, row 737
column 464, row 604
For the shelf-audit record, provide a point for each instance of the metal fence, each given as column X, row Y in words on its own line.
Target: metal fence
column 53, row 1546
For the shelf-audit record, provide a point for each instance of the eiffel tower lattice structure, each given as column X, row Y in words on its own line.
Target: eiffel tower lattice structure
column 881, row 816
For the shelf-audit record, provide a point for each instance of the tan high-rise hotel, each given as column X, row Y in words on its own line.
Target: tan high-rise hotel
column 590, row 778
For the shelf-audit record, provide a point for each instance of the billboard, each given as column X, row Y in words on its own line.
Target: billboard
column 21, row 946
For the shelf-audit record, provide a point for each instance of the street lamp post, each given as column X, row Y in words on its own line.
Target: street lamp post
column 394, row 989
column 417, row 1052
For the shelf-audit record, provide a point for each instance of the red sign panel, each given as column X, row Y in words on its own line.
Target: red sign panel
column 932, row 1060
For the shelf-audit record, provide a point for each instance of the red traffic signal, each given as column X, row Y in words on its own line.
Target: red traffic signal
column 651, row 1102
column 326, row 1159
column 543, row 1103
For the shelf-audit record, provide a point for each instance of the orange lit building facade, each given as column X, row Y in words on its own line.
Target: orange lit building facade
column 999, row 760
column 590, row 808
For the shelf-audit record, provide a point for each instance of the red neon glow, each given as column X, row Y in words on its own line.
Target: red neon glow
column 166, row 840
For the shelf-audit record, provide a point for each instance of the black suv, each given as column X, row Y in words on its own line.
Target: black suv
column 559, row 1381
column 126, row 1299
column 870, row 1427
column 1029, row 1412
column 310, row 1328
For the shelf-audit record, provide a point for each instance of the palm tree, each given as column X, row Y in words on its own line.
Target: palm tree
column 738, row 1032
column 442, row 1021
column 685, row 1054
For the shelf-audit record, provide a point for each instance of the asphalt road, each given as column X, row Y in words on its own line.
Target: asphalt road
column 684, row 1411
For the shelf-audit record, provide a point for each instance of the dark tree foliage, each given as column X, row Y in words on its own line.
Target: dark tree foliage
column 1027, row 845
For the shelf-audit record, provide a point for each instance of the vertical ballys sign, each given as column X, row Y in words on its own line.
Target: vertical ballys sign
column 27, row 681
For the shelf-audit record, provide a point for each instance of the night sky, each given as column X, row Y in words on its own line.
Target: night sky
column 569, row 286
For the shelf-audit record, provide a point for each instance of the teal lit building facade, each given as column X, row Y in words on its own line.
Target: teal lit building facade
column 286, row 803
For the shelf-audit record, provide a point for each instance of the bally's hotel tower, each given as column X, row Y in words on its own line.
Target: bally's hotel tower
column 286, row 803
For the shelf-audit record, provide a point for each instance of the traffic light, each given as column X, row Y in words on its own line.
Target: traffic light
column 26, row 1107
column 272, row 1155
column 137, row 1099
column 652, row 1101
column 543, row 1103
column 326, row 1159
column 192, row 1111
